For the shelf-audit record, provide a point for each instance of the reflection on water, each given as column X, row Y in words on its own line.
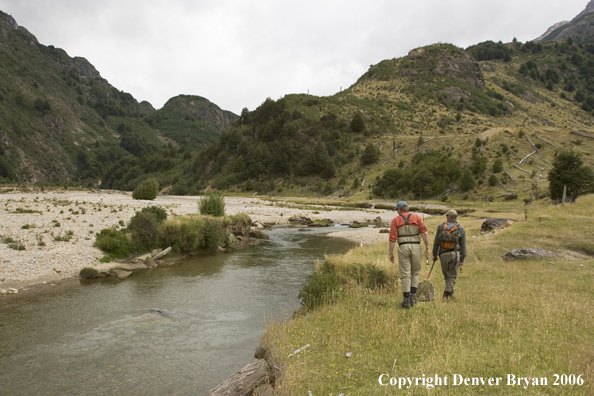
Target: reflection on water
column 109, row 338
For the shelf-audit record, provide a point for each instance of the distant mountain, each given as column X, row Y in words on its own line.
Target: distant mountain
column 61, row 122
column 580, row 29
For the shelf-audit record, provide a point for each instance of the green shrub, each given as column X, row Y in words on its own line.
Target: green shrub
column 147, row 189
column 213, row 234
column 182, row 234
column 160, row 213
column 368, row 275
column 212, row 204
column 116, row 243
column 320, row 288
column 145, row 229
column 89, row 273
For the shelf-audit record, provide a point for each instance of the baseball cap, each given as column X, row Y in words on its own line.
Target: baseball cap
column 452, row 212
column 401, row 204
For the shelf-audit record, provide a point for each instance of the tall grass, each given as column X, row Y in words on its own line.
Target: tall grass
column 212, row 204
column 529, row 318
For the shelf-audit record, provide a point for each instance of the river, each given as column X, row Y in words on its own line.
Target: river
column 105, row 337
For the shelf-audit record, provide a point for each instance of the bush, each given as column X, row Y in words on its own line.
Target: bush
column 182, row 234
column 116, row 243
column 368, row 275
column 212, row 204
column 147, row 189
column 320, row 287
column 145, row 229
column 89, row 273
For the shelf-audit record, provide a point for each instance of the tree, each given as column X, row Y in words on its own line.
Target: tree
column 569, row 170
column 497, row 166
column 147, row 189
column 358, row 123
column 467, row 182
column 370, row 154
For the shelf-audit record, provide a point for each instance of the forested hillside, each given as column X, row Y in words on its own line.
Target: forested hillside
column 439, row 120
column 61, row 122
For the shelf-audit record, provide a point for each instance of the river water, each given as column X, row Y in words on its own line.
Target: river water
column 102, row 338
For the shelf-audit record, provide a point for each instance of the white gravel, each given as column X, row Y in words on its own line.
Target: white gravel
column 84, row 213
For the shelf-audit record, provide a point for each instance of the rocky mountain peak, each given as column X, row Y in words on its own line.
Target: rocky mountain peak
column 589, row 8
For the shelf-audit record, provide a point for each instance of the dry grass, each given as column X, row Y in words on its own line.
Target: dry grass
column 531, row 318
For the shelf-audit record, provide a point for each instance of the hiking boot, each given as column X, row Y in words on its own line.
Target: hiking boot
column 446, row 296
column 405, row 303
column 413, row 299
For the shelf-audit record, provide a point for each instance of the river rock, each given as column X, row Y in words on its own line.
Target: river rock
column 258, row 234
column 384, row 231
column 300, row 220
column 494, row 224
column 3, row 292
column 527, row 253
column 321, row 223
column 12, row 290
column 120, row 274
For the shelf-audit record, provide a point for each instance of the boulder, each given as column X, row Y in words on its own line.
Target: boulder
column 300, row 220
column 495, row 224
column 527, row 253
column 321, row 223
column 120, row 274
column 258, row 234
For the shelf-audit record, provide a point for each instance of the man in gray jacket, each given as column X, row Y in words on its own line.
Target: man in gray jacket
column 450, row 246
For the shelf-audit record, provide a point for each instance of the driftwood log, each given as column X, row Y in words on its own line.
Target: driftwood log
column 163, row 253
column 243, row 382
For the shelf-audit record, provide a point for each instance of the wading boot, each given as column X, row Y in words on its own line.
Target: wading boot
column 446, row 296
column 405, row 303
column 413, row 296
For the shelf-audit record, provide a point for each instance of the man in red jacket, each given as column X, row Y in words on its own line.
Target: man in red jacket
column 407, row 229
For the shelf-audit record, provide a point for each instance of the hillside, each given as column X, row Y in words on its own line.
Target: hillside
column 427, row 118
column 61, row 122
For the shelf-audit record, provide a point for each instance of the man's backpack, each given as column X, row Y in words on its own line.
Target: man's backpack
column 448, row 236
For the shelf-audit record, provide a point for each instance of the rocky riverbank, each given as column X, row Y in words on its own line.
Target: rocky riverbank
column 48, row 237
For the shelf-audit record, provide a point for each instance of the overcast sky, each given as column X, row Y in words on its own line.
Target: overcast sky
column 236, row 53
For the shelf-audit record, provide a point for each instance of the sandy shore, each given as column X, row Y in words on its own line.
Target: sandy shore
column 34, row 221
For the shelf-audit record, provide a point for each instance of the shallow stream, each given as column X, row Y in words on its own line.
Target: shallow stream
column 105, row 337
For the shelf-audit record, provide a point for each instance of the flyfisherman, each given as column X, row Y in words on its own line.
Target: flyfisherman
column 407, row 229
column 450, row 246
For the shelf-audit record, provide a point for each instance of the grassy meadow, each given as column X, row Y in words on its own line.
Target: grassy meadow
column 529, row 319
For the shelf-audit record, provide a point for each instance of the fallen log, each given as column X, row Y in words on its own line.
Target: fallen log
column 582, row 135
column 510, row 176
column 539, row 138
column 163, row 253
column 535, row 148
column 534, row 152
column 243, row 382
column 505, row 188
column 523, row 170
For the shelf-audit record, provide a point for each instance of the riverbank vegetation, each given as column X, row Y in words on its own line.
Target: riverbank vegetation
column 150, row 228
column 527, row 318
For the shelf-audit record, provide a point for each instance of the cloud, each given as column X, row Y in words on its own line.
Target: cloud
column 237, row 53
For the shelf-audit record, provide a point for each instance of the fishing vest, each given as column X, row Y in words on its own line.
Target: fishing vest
column 408, row 233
